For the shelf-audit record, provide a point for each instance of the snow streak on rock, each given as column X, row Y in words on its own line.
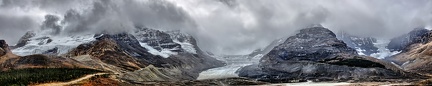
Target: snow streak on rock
column 188, row 47
column 164, row 52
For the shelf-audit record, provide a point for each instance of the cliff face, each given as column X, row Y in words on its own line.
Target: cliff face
column 316, row 54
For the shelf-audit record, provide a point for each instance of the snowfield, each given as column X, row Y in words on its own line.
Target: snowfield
column 42, row 43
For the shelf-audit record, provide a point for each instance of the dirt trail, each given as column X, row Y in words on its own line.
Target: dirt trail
column 70, row 82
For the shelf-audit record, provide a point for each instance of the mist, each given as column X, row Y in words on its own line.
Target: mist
column 220, row 26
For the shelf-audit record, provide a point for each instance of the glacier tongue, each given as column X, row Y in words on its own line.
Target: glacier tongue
column 368, row 46
column 233, row 64
column 41, row 43
column 383, row 52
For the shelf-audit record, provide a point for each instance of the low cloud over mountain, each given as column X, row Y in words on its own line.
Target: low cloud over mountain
column 220, row 26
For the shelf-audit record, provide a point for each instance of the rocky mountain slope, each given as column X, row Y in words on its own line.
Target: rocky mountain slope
column 401, row 43
column 416, row 51
column 146, row 55
column 316, row 54
column 142, row 55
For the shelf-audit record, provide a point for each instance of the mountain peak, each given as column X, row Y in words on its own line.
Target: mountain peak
column 318, row 32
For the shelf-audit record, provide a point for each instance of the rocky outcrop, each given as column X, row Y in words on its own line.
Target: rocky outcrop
column 401, row 43
column 316, row 54
column 4, row 48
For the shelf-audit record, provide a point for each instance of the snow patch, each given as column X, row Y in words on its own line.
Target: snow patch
column 258, row 56
column 188, row 47
column 360, row 51
column 100, row 35
column 164, row 52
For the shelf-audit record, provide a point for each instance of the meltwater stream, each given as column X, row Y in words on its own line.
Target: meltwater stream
column 233, row 62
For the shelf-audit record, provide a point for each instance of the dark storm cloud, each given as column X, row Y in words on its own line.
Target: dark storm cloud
column 12, row 27
column 51, row 22
column 94, row 16
column 252, row 24
column 119, row 16
column 220, row 26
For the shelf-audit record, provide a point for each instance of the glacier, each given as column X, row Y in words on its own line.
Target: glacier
column 41, row 43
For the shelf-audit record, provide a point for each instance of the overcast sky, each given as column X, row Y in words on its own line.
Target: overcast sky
column 220, row 26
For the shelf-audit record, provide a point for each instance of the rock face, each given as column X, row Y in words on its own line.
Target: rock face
column 316, row 54
column 24, row 39
column 416, row 55
column 401, row 43
column 416, row 59
column 210, row 82
column 314, row 44
column 4, row 48
column 157, row 39
column 146, row 55
column 364, row 45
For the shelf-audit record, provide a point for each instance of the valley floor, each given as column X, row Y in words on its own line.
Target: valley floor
column 71, row 82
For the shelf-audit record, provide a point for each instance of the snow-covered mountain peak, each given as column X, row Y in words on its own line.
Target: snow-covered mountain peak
column 165, row 41
column 38, row 42
column 162, row 43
